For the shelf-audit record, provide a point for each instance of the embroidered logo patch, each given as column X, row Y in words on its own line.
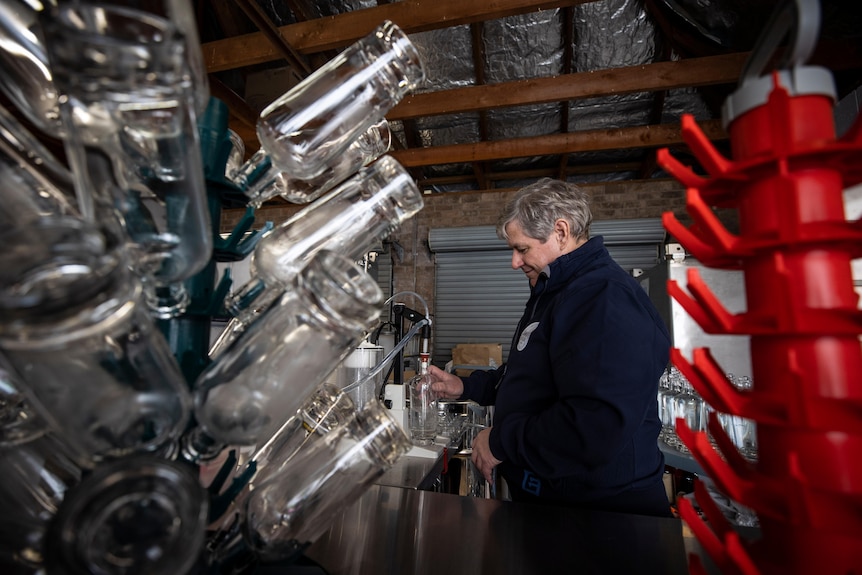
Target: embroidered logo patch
column 531, row 484
column 525, row 335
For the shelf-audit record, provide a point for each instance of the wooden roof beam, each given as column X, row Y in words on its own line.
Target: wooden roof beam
column 337, row 31
column 711, row 70
column 582, row 141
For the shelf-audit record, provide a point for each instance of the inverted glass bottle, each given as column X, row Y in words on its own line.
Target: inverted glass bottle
column 73, row 326
column 293, row 508
column 129, row 94
column 325, row 410
column 26, row 80
column 136, row 515
column 246, row 394
column 349, row 220
column 37, row 470
column 265, row 181
column 306, row 128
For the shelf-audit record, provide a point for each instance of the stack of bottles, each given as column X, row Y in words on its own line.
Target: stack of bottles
column 105, row 445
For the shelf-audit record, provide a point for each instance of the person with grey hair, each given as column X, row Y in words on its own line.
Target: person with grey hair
column 576, row 418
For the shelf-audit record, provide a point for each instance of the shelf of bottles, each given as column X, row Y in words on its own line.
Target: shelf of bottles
column 678, row 399
column 126, row 438
column 794, row 247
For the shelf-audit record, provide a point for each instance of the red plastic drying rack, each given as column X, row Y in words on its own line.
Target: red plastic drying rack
column 795, row 248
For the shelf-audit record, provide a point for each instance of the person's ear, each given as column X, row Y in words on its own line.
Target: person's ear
column 561, row 232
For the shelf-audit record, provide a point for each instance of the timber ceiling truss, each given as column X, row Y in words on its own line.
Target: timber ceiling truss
column 307, row 44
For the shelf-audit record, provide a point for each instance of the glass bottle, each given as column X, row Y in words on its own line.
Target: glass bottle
column 324, row 411
column 293, row 508
column 271, row 182
column 664, row 388
column 139, row 514
column 314, row 122
column 36, row 469
column 128, row 109
column 246, row 394
column 691, row 408
column 349, row 219
column 675, row 385
column 26, row 80
column 35, row 184
column 73, row 326
column 422, row 417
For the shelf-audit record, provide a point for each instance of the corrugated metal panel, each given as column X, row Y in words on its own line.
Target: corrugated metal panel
column 483, row 238
column 480, row 298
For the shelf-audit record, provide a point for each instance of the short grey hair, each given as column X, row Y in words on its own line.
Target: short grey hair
column 538, row 206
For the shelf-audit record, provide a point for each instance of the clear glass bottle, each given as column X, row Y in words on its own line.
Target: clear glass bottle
column 422, row 417
column 73, row 326
column 37, row 470
column 136, row 515
column 272, row 182
column 314, row 122
column 26, row 80
column 325, row 410
column 349, row 220
column 675, row 382
column 294, row 507
column 129, row 95
column 248, row 393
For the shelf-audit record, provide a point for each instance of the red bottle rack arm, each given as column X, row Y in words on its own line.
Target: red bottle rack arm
column 709, row 380
column 717, row 537
column 798, row 495
column 733, row 475
column 713, row 162
column 675, row 168
column 702, row 305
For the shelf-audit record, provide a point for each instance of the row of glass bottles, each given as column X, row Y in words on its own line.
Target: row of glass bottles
column 98, row 475
column 678, row 399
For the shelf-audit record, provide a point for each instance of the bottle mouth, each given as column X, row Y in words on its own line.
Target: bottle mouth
column 384, row 439
column 53, row 265
column 341, row 288
column 139, row 510
column 406, row 53
column 404, row 198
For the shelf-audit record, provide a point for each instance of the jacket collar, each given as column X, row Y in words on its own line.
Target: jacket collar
column 561, row 270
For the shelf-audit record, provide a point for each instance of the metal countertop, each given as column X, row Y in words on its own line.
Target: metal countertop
column 396, row 531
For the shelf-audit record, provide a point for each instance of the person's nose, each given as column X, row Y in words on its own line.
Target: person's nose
column 517, row 260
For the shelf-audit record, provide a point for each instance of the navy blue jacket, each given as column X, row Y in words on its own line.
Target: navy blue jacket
column 576, row 417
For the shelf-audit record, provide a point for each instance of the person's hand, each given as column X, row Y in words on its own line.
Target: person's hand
column 482, row 457
column 446, row 385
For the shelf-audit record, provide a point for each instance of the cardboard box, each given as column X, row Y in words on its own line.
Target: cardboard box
column 469, row 356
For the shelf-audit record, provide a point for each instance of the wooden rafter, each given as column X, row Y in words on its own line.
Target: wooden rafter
column 572, row 142
column 694, row 72
column 256, row 14
column 477, row 42
column 342, row 29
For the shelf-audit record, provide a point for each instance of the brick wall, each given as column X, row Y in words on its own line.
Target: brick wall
column 414, row 264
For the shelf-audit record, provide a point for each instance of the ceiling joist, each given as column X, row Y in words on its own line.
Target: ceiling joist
column 568, row 143
column 338, row 31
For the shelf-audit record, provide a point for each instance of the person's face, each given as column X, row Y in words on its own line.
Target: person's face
column 529, row 254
